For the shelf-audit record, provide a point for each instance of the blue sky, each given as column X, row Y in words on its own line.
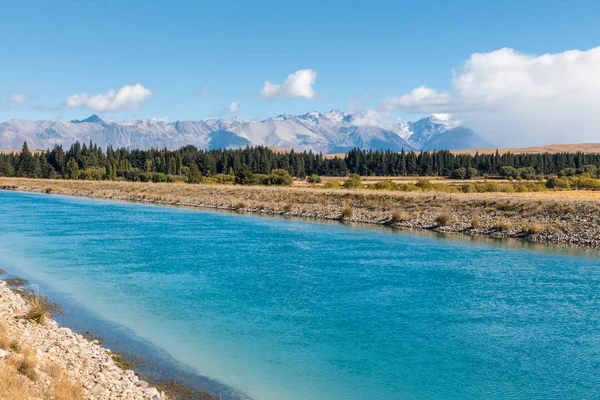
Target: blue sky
column 362, row 52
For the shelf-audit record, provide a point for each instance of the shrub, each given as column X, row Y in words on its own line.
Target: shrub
column 503, row 226
column 533, row 229
column 442, row 220
column 471, row 173
column 40, row 307
column 385, row 185
column 458, row 173
column 398, row 216
column 557, row 183
column 224, row 178
column 353, row 182
column 280, row 177
column 508, row 172
column 314, row 178
column 589, row 169
column 287, row 208
column 568, row 172
column 347, row 212
column 245, row 176
column 332, row 185
column 475, row 223
column 424, row 184
column 93, row 174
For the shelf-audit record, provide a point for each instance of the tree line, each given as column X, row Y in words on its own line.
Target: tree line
column 189, row 163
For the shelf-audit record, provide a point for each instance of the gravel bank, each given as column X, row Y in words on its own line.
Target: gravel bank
column 88, row 366
column 544, row 220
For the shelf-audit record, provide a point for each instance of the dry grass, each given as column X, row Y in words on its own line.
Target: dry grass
column 503, row 226
column 39, row 307
column 62, row 386
column 13, row 385
column 4, row 339
column 399, row 216
column 22, row 367
column 347, row 212
column 551, row 148
column 532, row 229
column 443, row 219
column 26, row 364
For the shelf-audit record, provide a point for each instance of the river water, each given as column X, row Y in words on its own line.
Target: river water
column 279, row 309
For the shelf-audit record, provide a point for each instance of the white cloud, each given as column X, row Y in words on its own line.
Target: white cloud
column 518, row 99
column 298, row 84
column 129, row 97
column 419, row 98
column 230, row 109
column 19, row 98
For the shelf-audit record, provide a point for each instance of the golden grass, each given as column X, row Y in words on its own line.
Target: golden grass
column 26, row 364
column 39, row 307
column 13, row 385
column 22, row 367
column 62, row 386
column 551, row 148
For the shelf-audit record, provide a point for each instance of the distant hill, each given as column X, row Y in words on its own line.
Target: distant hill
column 330, row 132
column 551, row 148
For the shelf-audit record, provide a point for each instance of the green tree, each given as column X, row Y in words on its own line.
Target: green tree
column 244, row 176
column 25, row 164
column 72, row 169
column 194, row 175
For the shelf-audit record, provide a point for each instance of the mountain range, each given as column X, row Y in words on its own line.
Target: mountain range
column 326, row 132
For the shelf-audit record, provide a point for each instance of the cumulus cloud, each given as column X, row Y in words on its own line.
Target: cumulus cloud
column 129, row 97
column 298, row 84
column 19, row 98
column 519, row 99
column 418, row 99
column 230, row 109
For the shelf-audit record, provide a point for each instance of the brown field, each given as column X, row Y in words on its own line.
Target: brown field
column 551, row 148
column 568, row 217
column 35, row 151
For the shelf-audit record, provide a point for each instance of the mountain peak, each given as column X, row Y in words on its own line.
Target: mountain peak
column 334, row 131
column 94, row 118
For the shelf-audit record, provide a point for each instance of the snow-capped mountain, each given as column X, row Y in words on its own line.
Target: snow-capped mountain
column 330, row 132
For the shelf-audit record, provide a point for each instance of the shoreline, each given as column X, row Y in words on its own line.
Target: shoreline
column 566, row 222
column 89, row 370
column 153, row 368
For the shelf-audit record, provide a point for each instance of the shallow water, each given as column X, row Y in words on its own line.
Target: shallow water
column 287, row 309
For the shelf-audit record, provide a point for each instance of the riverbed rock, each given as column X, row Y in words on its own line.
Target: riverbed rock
column 83, row 361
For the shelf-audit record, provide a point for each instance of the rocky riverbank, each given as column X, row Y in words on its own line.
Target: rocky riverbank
column 46, row 361
column 548, row 218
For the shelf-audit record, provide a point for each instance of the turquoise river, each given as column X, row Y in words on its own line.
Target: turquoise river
column 285, row 309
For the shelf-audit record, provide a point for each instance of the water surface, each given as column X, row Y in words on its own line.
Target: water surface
column 287, row 309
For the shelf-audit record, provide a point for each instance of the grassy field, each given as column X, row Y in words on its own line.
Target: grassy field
column 570, row 217
column 551, row 148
